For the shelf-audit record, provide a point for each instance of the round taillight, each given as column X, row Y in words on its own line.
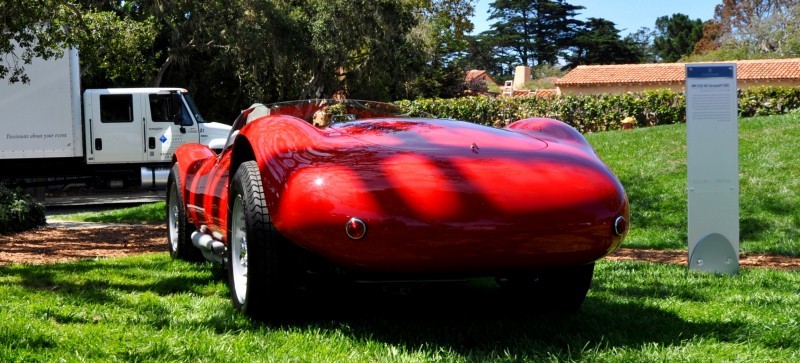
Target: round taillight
column 355, row 228
column 620, row 226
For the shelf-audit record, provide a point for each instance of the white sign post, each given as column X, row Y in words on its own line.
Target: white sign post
column 712, row 167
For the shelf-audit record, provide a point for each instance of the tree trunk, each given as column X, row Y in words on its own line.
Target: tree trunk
column 162, row 70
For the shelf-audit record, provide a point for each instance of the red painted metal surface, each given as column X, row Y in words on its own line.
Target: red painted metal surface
column 436, row 196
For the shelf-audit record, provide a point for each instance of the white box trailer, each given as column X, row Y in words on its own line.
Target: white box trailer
column 43, row 119
column 49, row 130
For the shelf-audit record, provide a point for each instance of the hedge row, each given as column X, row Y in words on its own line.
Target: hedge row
column 589, row 113
column 18, row 212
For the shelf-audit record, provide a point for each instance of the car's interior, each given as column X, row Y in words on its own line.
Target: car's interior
column 323, row 113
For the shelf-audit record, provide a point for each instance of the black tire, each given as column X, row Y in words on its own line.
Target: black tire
column 179, row 230
column 556, row 289
column 257, row 276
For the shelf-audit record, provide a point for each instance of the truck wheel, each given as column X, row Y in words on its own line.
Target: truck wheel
column 256, row 274
column 557, row 289
column 179, row 234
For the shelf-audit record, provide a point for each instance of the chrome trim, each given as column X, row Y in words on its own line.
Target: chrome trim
column 154, row 177
column 358, row 221
column 620, row 223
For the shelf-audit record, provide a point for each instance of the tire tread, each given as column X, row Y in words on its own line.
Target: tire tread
column 266, row 274
column 186, row 250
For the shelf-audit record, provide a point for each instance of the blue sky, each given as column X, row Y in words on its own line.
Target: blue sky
column 629, row 15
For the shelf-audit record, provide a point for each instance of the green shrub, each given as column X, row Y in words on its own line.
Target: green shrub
column 18, row 212
column 766, row 101
column 590, row 113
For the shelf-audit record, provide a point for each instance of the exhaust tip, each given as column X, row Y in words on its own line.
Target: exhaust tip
column 620, row 226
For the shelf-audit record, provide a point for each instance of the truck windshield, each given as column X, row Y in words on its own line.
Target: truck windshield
column 193, row 108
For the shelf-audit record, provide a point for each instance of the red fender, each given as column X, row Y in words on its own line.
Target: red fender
column 551, row 130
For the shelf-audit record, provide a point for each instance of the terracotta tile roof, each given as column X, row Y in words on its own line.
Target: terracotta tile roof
column 479, row 74
column 472, row 74
column 771, row 69
column 764, row 69
column 546, row 92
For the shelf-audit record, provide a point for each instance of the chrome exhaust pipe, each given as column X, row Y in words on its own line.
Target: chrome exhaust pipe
column 212, row 250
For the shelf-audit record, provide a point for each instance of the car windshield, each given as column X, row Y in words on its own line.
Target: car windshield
column 193, row 108
column 323, row 112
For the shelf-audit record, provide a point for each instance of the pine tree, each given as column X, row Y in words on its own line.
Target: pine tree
column 536, row 31
column 676, row 36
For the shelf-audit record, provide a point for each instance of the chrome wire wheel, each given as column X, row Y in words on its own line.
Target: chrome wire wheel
column 173, row 214
column 238, row 247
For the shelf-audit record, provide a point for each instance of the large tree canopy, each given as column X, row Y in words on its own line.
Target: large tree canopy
column 676, row 36
column 536, row 31
column 748, row 29
column 28, row 30
column 641, row 42
column 109, row 44
column 442, row 34
column 598, row 42
column 485, row 53
column 761, row 27
column 230, row 53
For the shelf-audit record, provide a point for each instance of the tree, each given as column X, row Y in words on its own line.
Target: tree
column 598, row 42
column 536, row 31
column 29, row 31
column 769, row 27
column 109, row 44
column 676, row 36
column 641, row 42
column 231, row 53
column 444, row 25
column 710, row 41
column 114, row 50
column 442, row 30
column 484, row 53
column 377, row 56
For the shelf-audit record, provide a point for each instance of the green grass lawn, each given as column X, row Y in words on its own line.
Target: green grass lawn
column 651, row 163
column 150, row 308
column 145, row 213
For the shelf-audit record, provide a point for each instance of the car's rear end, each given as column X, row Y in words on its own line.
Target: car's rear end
column 451, row 198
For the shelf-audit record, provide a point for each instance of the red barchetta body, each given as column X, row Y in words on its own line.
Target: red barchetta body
column 435, row 196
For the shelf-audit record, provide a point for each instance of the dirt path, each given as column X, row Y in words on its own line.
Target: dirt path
column 680, row 257
column 76, row 241
column 70, row 241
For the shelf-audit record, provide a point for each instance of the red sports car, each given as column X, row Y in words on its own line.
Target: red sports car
column 367, row 191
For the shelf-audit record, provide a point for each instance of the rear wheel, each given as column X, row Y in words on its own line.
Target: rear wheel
column 179, row 237
column 558, row 289
column 256, row 275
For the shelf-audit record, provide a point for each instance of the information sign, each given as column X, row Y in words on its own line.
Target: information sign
column 713, row 167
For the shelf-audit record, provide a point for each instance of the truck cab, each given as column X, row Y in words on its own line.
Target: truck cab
column 143, row 125
column 111, row 136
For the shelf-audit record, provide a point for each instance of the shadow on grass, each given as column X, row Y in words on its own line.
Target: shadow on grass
column 483, row 321
column 476, row 320
column 770, row 226
column 650, row 211
column 94, row 281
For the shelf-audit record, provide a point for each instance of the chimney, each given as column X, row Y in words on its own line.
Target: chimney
column 521, row 75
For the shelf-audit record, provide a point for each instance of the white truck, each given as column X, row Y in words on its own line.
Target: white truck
column 123, row 135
